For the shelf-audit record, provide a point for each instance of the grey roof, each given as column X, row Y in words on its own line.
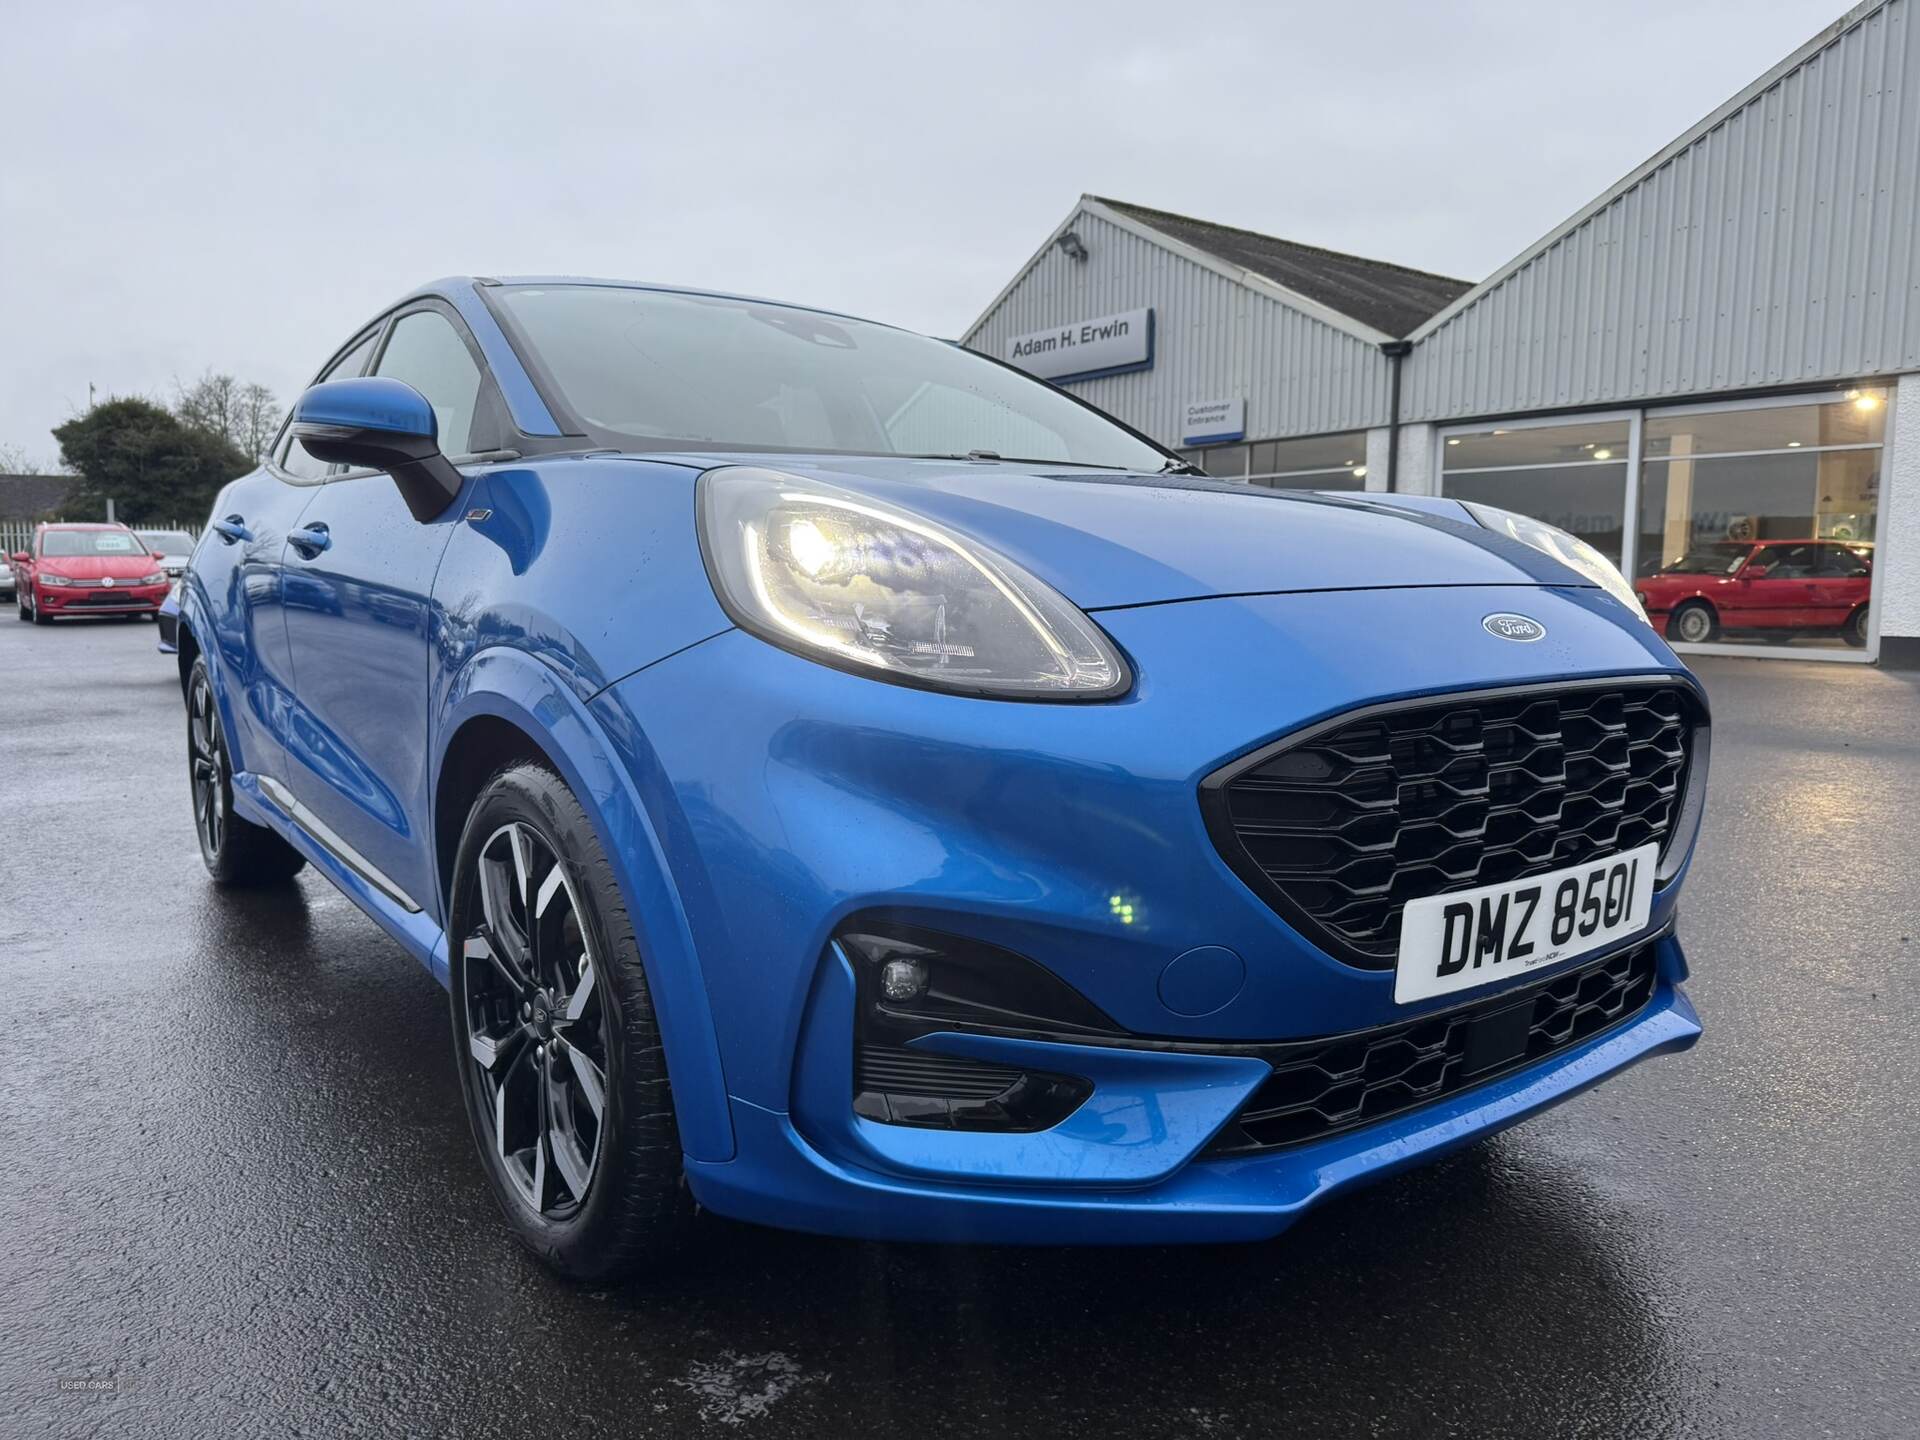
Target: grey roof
column 33, row 497
column 1391, row 298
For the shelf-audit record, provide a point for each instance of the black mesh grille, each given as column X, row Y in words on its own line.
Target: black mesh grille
column 1342, row 826
column 898, row 1085
column 897, row 1070
column 1319, row 1088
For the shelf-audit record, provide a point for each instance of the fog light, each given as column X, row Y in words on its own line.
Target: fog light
column 982, row 989
column 902, row 981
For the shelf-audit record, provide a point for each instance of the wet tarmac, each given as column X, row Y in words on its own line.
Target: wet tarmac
column 237, row 1194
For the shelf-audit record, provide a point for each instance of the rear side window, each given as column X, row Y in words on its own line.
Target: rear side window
column 1838, row 560
column 293, row 457
column 428, row 353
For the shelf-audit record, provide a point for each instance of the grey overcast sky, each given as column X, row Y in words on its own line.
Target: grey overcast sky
column 192, row 185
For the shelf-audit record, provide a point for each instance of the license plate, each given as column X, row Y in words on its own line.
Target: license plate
column 1475, row 937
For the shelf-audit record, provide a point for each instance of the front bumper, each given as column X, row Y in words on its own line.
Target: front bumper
column 1072, row 835
column 92, row 600
column 780, row 1177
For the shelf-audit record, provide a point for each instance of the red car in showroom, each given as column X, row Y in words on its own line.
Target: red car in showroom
column 87, row 570
column 1754, row 586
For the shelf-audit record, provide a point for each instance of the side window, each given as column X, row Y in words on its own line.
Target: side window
column 1838, row 560
column 298, row 463
column 1786, row 562
column 293, row 457
column 428, row 353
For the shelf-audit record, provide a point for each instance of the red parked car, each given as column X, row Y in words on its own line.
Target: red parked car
column 87, row 570
column 1788, row 586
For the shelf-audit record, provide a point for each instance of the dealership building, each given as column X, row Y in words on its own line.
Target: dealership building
column 1721, row 350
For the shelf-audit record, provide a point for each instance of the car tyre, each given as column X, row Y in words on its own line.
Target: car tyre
column 1854, row 632
column 238, row 853
column 556, row 1039
column 1694, row 623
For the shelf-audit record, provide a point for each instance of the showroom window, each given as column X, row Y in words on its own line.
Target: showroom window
column 1712, row 484
column 1573, row 476
column 1713, row 481
column 1315, row 462
column 1318, row 462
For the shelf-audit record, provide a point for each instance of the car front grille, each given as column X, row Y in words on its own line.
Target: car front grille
column 1320, row 1088
column 116, row 596
column 1337, row 828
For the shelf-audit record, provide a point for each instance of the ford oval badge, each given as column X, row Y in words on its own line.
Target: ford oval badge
column 1514, row 627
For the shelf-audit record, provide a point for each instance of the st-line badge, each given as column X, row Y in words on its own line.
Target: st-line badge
column 1514, row 627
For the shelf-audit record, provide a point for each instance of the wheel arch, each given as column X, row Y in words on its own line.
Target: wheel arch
column 506, row 706
column 196, row 621
column 1863, row 613
column 187, row 649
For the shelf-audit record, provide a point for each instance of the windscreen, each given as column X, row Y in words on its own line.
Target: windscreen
column 661, row 370
column 168, row 542
column 61, row 543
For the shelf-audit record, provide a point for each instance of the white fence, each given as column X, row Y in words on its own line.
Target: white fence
column 16, row 535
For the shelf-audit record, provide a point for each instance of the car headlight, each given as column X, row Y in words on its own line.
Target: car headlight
column 851, row 582
column 54, row 580
column 1569, row 550
column 159, row 577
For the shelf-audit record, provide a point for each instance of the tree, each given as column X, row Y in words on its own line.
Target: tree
column 259, row 420
column 150, row 464
column 243, row 414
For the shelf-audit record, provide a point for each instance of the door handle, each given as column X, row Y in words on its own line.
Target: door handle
column 232, row 530
column 309, row 540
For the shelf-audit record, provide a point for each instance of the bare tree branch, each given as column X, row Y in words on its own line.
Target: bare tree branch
column 243, row 414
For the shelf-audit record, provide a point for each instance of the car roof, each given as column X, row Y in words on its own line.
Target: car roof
column 83, row 525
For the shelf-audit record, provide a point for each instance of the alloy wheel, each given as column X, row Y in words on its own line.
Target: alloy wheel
column 1694, row 626
column 208, row 763
column 537, row 1026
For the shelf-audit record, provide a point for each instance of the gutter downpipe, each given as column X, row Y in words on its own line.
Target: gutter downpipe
column 1395, row 351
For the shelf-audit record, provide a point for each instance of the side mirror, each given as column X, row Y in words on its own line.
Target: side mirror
column 1756, row 572
column 383, row 424
column 19, row 557
column 157, row 554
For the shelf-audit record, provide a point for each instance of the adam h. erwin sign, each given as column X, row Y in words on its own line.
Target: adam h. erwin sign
column 1106, row 345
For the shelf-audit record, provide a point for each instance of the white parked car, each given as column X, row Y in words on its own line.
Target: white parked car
column 175, row 545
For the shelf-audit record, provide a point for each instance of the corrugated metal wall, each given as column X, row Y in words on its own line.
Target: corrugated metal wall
column 1777, row 248
column 1214, row 339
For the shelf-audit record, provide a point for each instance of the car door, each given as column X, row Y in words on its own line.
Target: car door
column 240, row 568
column 360, row 569
column 1776, row 587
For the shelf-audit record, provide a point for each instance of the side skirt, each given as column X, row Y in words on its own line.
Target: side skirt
column 267, row 802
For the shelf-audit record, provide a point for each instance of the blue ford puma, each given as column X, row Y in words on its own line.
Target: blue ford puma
column 851, row 785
